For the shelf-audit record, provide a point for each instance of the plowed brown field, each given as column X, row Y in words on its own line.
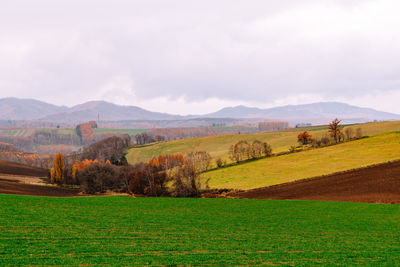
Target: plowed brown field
column 374, row 184
column 7, row 167
column 24, row 180
column 13, row 186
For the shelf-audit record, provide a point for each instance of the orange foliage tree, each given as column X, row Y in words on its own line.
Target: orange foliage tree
column 304, row 138
column 59, row 167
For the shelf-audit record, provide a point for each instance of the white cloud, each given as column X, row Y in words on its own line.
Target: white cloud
column 194, row 56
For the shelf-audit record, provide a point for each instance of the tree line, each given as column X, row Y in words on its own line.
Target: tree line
column 180, row 171
column 242, row 150
column 336, row 134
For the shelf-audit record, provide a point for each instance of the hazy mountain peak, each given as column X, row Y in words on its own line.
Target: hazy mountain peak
column 315, row 113
column 12, row 108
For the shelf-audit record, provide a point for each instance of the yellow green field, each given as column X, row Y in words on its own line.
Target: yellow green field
column 218, row 146
column 275, row 170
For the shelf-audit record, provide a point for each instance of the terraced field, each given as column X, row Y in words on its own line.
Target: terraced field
column 218, row 146
column 41, row 231
column 311, row 163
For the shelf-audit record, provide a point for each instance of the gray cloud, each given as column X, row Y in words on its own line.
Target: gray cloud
column 258, row 52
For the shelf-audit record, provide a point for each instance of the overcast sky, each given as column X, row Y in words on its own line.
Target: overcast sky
column 198, row 56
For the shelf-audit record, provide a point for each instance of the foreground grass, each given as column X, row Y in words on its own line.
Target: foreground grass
column 218, row 146
column 167, row 231
column 315, row 162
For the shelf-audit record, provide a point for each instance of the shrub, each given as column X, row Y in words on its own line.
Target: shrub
column 219, row 162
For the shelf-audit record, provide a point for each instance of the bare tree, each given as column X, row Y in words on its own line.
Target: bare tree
column 200, row 160
column 335, row 130
column 349, row 133
column 256, row 149
column 267, row 150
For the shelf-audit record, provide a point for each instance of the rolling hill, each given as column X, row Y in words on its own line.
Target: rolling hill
column 218, row 146
column 373, row 184
column 316, row 162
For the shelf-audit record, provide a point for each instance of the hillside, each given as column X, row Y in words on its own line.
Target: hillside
column 316, row 162
column 218, row 146
column 375, row 184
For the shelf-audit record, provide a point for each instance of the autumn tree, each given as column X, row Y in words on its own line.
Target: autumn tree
column 335, row 130
column 59, row 167
column 267, row 150
column 98, row 178
column 186, row 180
column 304, row 138
column 52, row 175
column 200, row 160
column 256, row 149
column 240, row 151
column 74, row 170
column 151, row 177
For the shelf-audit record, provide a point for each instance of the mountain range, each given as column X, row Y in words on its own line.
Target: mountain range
column 316, row 113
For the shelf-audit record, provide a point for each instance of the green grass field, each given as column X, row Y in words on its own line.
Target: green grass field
column 168, row 231
column 275, row 170
column 218, row 146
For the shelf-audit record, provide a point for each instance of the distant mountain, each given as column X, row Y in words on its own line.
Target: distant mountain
column 106, row 112
column 26, row 109
column 316, row 113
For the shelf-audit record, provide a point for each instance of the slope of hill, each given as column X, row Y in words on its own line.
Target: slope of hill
column 218, row 146
column 316, row 113
column 376, row 184
column 316, row 162
column 26, row 109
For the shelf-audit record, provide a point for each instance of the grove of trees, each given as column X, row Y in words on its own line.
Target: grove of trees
column 242, row 150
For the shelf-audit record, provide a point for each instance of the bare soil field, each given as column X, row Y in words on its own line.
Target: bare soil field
column 14, row 186
column 7, row 167
column 25, row 180
column 374, row 184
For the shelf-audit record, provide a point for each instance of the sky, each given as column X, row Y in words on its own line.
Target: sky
column 193, row 57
